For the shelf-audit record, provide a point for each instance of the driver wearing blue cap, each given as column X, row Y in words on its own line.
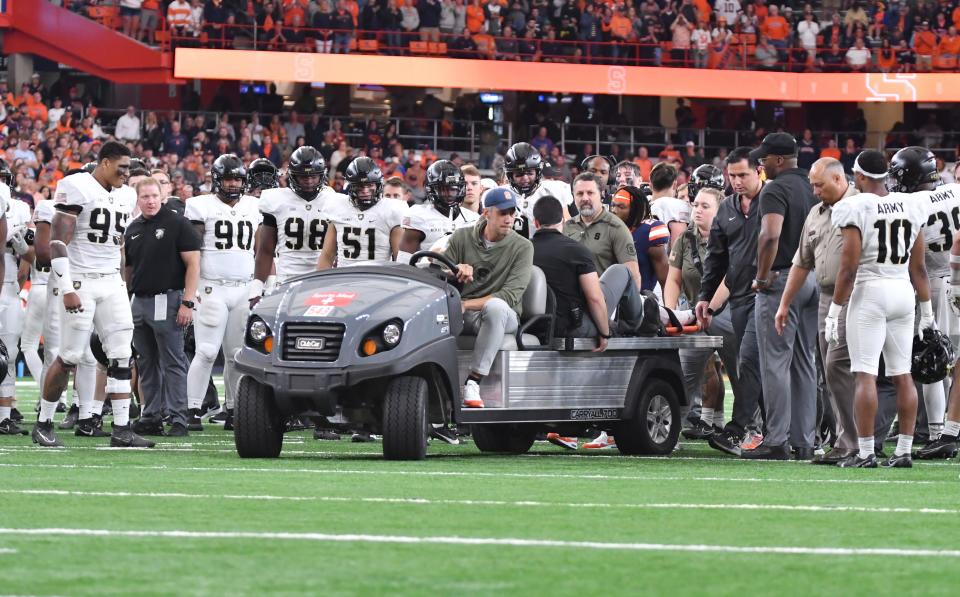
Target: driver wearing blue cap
column 495, row 264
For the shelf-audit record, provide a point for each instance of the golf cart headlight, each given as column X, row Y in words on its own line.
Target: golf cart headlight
column 259, row 331
column 391, row 334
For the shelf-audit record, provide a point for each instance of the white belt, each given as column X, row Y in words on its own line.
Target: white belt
column 234, row 283
column 95, row 276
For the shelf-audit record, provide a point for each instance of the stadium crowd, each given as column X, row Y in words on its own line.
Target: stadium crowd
column 678, row 225
column 827, row 36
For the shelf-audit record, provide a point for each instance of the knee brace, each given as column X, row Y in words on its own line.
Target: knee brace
column 118, row 376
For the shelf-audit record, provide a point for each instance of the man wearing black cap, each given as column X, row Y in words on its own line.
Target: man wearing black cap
column 787, row 370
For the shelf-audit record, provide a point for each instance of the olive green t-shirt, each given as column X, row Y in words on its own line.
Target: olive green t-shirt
column 685, row 255
column 608, row 239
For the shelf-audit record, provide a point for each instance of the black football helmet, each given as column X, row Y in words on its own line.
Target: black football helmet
column 911, row 168
column 520, row 158
column 305, row 162
column 706, row 176
column 6, row 174
column 445, row 186
column 138, row 168
column 4, row 357
column 262, row 174
column 362, row 174
column 89, row 167
column 933, row 357
column 228, row 167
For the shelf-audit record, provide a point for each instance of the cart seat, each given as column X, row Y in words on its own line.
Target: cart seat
column 536, row 307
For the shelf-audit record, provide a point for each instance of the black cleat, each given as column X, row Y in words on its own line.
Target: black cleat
column 148, row 427
column 445, row 434
column 943, row 447
column 699, row 430
column 767, row 452
column 16, row 416
column 92, row 427
column 726, row 441
column 228, row 422
column 9, row 427
column 218, row 419
column 803, row 454
column 61, row 407
column 70, row 421
column 124, row 437
column 193, row 420
column 327, row 434
column 362, row 437
column 901, row 461
column 44, row 436
column 856, row 462
column 177, row 430
column 107, row 408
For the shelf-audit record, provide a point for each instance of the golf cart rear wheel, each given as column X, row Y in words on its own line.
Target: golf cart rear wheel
column 655, row 426
column 505, row 439
column 258, row 428
column 405, row 419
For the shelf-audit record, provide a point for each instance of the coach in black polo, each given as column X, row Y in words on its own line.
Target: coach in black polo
column 162, row 268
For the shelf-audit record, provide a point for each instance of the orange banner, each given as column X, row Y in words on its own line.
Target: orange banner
column 194, row 63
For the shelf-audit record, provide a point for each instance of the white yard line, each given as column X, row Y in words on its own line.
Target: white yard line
column 485, row 541
column 5, row 551
column 403, row 473
column 509, row 503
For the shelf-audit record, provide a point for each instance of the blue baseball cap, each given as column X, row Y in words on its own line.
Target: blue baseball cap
column 500, row 198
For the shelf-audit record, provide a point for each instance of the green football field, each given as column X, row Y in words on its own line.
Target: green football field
column 190, row 517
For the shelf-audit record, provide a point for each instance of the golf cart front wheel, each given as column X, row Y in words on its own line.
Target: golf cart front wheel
column 258, row 428
column 405, row 428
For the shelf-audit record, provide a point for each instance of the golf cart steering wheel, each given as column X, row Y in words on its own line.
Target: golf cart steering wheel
column 443, row 259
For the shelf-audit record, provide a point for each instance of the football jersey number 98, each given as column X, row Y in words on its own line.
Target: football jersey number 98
column 293, row 229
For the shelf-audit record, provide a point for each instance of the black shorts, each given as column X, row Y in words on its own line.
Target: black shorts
column 129, row 12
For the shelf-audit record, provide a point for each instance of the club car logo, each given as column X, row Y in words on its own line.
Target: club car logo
column 310, row 343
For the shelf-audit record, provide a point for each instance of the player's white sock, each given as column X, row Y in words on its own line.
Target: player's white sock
column 951, row 428
column 75, row 398
column 121, row 412
column 96, row 407
column 47, row 409
column 935, row 429
column 5, row 412
column 195, row 403
column 706, row 415
column 904, row 445
column 718, row 418
column 866, row 446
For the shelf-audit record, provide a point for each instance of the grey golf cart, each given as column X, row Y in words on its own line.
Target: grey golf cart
column 380, row 347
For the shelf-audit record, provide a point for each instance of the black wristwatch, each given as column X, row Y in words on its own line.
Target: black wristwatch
column 187, row 304
column 605, row 336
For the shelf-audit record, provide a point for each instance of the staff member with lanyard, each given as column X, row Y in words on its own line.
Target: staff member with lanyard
column 686, row 272
column 162, row 268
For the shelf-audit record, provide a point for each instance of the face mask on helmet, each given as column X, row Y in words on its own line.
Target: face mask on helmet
column 933, row 357
column 229, row 188
column 447, row 195
column 306, row 186
column 365, row 195
column 524, row 180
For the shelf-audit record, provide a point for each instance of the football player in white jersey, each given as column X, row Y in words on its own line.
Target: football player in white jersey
column 36, row 302
column 427, row 224
column 295, row 225
column 85, row 378
column 11, row 311
column 881, row 264
column 227, row 222
column 368, row 227
column 87, row 231
column 7, row 425
column 941, row 229
column 664, row 205
column 523, row 168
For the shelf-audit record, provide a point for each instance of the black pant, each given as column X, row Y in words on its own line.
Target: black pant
column 751, row 392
